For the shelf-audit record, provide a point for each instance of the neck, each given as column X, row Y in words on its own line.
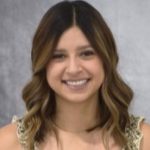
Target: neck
column 76, row 117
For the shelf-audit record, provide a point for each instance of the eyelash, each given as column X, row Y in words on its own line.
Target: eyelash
column 58, row 56
column 85, row 54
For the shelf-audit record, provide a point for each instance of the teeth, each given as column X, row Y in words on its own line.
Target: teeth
column 76, row 83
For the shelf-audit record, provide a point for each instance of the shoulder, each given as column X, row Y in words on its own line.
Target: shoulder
column 8, row 137
column 145, row 129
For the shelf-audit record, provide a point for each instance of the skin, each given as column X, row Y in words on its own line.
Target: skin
column 75, row 60
column 8, row 138
column 73, row 102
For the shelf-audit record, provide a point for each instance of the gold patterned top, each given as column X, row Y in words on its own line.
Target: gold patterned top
column 132, row 132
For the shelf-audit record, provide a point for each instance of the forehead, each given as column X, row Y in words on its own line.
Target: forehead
column 73, row 38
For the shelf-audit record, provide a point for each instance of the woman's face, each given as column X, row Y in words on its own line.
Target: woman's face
column 75, row 72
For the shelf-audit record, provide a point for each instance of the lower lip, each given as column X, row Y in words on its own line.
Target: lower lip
column 77, row 87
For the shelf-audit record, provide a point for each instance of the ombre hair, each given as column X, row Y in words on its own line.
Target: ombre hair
column 114, row 95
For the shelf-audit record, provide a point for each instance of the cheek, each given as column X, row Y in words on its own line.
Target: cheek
column 50, row 73
column 53, row 73
column 98, row 71
column 96, row 67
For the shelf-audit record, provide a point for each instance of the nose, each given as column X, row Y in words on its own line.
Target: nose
column 73, row 66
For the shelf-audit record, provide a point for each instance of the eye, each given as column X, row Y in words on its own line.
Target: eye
column 58, row 56
column 87, row 53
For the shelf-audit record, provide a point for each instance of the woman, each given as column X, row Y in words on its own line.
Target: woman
column 76, row 99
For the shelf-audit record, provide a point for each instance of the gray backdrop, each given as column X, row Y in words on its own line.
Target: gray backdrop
column 129, row 21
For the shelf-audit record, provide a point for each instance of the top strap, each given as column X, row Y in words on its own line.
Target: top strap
column 133, row 133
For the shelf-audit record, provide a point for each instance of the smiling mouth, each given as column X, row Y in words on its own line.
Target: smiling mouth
column 75, row 84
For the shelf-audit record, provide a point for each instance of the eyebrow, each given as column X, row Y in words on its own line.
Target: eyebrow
column 78, row 48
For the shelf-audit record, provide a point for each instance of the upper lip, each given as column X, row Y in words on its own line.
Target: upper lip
column 65, row 80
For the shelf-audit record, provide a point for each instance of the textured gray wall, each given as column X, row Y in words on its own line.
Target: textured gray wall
column 129, row 21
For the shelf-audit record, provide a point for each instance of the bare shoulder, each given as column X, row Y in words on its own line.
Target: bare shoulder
column 8, row 138
column 145, row 128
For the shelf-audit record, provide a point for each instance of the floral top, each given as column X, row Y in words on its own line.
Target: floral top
column 132, row 133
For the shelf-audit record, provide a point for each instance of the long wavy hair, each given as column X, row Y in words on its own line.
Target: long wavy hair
column 114, row 95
